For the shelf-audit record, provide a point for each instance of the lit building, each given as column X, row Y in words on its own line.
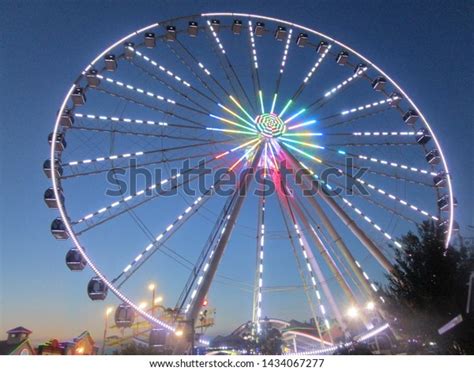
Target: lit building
column 17, row 343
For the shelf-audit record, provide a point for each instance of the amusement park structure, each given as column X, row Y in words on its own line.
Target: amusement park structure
column 284, row 107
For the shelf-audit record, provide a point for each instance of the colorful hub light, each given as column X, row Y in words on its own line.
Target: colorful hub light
column 270, row 125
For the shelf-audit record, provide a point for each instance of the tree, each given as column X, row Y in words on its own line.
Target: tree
column 428, row 288
column 271, row 342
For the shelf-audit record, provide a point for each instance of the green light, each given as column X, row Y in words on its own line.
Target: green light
column 303, row 153
column 273, row 103
column 233, row 123
column 303, row 134
column 295, row 115
column 285, row 108
column 252, row 126
column 231, row 131
column 261, row 101
column 307, row 144
column 240, row 107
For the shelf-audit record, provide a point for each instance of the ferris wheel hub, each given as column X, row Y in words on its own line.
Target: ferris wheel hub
column 270, row 125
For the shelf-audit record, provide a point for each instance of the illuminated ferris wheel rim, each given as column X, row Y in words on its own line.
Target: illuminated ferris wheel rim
column 55, row 180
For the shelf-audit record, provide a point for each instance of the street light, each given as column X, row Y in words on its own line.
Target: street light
column 352, row 312
column 142, row 305
column 108, row 311
column 158, row 300
column 152, row 288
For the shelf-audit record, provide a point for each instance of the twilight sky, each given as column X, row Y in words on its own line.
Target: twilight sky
column 426, row 46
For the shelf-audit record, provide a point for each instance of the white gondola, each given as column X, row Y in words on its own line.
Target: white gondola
column 58, row 169
column 128, row 49
column 50, row 198
column 259, row 29
column 280, row 33
column 322, row 47
column 193, row 28
column 74, row 260
column 410, row 117
column 424, row 137
column 124, row 316
column 379, row 83
column 395, row 99
column 58, row 229
column 150, row 40
column 443, row 203
column 433, row 157
column 157, row 337
column 110, row 62
column 342, row 58
column 302, row 39
column 360, row 68
column 440, row 179
column 170, row 33
column 92, row 78
column 97, row 289
column 236, row 27
column 78, row 97
column 67, row 119
column 59, row 140
column 216, row 24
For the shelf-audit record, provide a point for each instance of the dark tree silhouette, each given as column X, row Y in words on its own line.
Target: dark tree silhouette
column 429, row 288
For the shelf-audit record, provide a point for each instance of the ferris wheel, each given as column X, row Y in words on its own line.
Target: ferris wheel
column 241, row 92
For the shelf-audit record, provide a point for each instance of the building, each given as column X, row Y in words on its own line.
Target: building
column 80, row 345
column 17, row 343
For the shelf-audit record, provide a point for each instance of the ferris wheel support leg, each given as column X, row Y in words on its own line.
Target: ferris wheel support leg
column 358, row 232
column 325, row 254
column 257, row 263
column 219, row 251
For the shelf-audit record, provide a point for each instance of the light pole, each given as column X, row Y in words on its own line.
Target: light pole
column 152, row 288
column 106, row 324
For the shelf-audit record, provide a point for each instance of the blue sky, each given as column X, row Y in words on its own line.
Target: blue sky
column 426, row 46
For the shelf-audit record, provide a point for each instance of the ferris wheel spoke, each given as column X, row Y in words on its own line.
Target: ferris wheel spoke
column 203, row 70
column 164, row 236
column 138, row 133
column 369, row 109
column 149, row 94
column 383, row 193
column 144, row 153
column 151, row 107
column 332, row 92
column 115, row 167
column 309, row 76
column 174, row 76
column 222, row 56
column 153, row 188
column 254, row 63
column 377, row 134
column 137, row 122
column 284, row 61
column 360, row 157
column 185, row 96
column 124, row 205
